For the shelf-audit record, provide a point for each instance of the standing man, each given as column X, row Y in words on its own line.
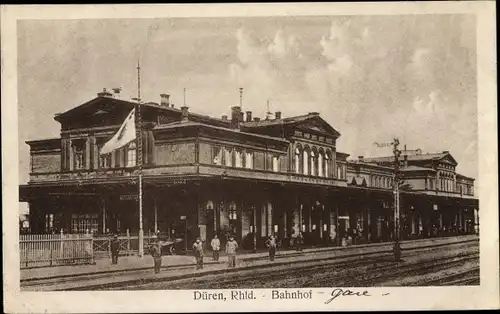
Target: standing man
column 215, row 247
column 231, row 247
column 198, row 253
column 115, row 249
column 271, row 244
column 156, row 253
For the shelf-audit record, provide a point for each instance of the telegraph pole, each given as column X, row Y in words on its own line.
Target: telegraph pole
column 397, row 246
column 396, row 183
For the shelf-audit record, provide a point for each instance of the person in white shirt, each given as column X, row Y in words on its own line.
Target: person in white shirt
column 215, row 247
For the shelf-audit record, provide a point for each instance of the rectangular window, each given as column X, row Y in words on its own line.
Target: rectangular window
column 131, row 155
column 276, row 163
column 83, row 223
column 249, row 160
column 131, row 158
column 104, row 160
column 217, row 155
column 118, row 154
column 78, row 147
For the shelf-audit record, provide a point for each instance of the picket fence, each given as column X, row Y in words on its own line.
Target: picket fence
column 37, row 250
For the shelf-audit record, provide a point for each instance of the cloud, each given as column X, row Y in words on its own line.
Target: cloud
column 269, row 69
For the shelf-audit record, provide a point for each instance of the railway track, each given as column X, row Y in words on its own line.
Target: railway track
column 308, row 264
column 282, row 277
column 466, row 277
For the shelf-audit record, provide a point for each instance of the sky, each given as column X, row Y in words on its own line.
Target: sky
column 372, row 78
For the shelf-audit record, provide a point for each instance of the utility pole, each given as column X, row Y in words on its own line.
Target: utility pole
column 139, row 158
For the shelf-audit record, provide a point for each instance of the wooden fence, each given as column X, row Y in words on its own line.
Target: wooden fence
column 38, row 250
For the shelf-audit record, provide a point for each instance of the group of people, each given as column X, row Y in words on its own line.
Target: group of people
column 231, row 247
column 198, row 250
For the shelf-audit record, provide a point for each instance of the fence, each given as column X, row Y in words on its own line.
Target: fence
column 129, row 244
column 38, row 250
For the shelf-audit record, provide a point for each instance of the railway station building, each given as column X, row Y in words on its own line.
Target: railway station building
column 235, row 174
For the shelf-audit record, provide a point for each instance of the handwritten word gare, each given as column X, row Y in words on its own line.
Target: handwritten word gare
column 349, row 293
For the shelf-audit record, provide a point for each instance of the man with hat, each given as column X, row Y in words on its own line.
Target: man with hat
column 198, row 253
column 231, row 247
column 115, row 249
column 271, row 245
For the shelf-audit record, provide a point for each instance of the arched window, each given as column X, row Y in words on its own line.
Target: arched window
column 228, row 158
column 297, row 160
column 238, row 158
column 327, row 163
column 305, row 159
column 276, row 163
column 320, row 164
column 313, row 163
column 249, row 160
column 131, row 155
column 210, row 205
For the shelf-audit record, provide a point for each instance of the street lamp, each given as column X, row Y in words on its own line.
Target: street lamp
column 185, row 232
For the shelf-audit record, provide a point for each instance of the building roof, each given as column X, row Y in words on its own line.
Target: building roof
column 416, row 168
column 130, row 104
column 463, row 177
column 290, row 121
column 411, row 157
column 180, row 124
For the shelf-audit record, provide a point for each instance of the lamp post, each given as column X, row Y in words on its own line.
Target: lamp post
column 185, row 232
column 254, row 229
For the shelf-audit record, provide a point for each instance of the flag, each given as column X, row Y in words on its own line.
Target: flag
column 125, row 135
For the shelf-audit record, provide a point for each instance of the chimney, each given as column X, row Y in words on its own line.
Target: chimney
column 184, row 114
column 171, row 106
column 277, row 115
column 256, row 119
column 235, row 117
column 104, row 93
column 249, row 116
column 165, row 100
column 361, row 158
column 117, row 91
column 224, row 117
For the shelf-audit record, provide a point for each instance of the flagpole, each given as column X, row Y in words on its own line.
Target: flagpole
column 139, row 157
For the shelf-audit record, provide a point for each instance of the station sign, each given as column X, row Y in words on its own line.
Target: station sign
column 128, row 197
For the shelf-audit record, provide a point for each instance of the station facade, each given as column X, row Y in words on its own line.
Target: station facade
column 234, row 175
